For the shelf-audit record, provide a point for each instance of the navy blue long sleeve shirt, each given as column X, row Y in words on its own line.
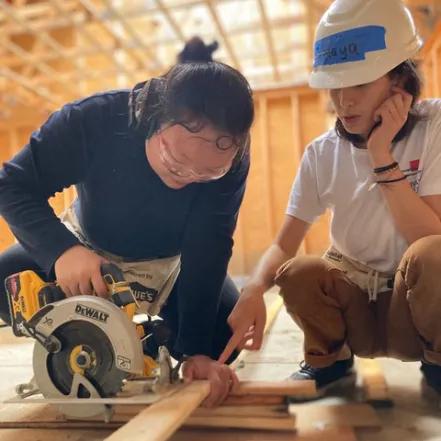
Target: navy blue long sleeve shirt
column 123, row 206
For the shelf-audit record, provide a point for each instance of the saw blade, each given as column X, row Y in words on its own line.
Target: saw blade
column 85, row 367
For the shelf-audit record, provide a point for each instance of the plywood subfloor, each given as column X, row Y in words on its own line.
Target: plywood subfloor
column 412, row 418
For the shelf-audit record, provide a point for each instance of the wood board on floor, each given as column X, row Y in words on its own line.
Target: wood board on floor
column 341, row 434
column 315, row 416
column 375, row 388
column 161, row 420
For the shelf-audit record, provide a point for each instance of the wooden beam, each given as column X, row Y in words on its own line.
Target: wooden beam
column 48, row 71
column 42, row 36
column 75, row 75
column 171, row 21
column 29, row 85
column 435, row 70
column 287, row 424
column 109, row 28
column 13, row 61
column 159, row 421
column 30, row 68
column 155, row 63
column 375, row 389
column 43, row 24
column 269, row 39
column 220, row 29
column 311, row 25
column 298, row 148
column 266, row 159
column 41, row 9
column 120, row 67
column 320, row 416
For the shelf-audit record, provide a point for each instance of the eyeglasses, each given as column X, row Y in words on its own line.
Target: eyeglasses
column 177, row 169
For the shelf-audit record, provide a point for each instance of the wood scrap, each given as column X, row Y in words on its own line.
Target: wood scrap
column 253, row 400
column 272, row 424
column 245, row 411
column 160, row 420
column 375, row 389
column 273, row 418
column 47, row 434
column 333, row 434
column 186, row 434
column 278, row 388
column 321, row 416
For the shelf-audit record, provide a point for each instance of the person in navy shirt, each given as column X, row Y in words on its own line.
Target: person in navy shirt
column 160, row 172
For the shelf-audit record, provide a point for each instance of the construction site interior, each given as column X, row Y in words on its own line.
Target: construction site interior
column 56, row 51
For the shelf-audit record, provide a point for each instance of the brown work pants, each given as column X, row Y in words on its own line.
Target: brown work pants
column 404, row 323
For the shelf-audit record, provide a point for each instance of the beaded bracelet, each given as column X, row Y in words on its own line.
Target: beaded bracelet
column 397, row 167
column 385, row 168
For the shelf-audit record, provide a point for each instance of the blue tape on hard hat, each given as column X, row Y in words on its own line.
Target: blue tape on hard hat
column 348, row 46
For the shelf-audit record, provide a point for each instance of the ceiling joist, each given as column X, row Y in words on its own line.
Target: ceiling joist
column 57, row 50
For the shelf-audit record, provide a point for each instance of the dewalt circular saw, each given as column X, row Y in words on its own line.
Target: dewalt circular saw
column 86, row 346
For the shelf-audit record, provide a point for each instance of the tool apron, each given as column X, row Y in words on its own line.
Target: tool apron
column 367, row 279
column 150, row 280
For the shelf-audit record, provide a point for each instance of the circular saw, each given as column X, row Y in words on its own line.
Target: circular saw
column 86, row 346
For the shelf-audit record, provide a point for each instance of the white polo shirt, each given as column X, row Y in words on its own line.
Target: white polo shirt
column 335, row 175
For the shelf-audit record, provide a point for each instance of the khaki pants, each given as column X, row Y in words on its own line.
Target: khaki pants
column 403, row 323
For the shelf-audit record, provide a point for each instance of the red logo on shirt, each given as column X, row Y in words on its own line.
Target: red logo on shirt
column 414, row 164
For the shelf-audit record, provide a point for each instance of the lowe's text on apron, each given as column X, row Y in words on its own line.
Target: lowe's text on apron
column 150, row 280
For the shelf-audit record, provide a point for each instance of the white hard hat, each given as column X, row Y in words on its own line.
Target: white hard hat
column 359, row 41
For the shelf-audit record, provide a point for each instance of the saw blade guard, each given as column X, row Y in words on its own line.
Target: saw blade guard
column 111, row 319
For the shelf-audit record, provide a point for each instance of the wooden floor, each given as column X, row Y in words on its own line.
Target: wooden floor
column 412, row 419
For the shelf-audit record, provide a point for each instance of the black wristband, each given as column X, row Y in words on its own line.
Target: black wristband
column 385, row 168
column 392, row 180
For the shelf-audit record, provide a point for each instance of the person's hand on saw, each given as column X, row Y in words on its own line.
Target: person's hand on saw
column 222, row 378
column 78, row 272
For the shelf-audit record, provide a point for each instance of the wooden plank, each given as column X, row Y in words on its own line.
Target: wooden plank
column 263, row 105
column 277, row 411
column 282, row 388
column 159, row 421
column 318, row 416
column 248, row 392
column 253, row 400
column 375, row 389
column 240, row 422
column 47, row 434
column 340, row 434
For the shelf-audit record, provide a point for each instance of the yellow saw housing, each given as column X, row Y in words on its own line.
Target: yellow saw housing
column 28, row 293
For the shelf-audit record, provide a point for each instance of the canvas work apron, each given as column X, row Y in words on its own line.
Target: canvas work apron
column 367, row 279
column 151, row 280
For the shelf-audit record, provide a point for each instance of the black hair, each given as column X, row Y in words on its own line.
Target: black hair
column 196, row 50
column 195, row 94
column 412, row 84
